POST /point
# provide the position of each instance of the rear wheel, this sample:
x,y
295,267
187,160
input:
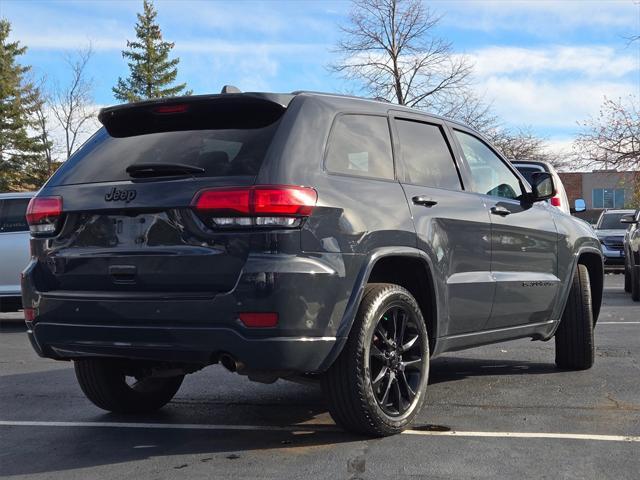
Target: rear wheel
x,y
123,387
377,384
575,348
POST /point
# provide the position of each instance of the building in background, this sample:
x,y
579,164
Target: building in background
x,y
602,189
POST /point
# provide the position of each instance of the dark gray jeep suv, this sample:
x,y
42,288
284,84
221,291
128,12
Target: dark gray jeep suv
x,y
299,235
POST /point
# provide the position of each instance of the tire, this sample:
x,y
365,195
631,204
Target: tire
x,y
104,383
627,278
349,385
575,347
635,283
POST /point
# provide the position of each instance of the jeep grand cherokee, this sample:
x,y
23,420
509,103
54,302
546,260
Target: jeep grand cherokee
x,y
298,235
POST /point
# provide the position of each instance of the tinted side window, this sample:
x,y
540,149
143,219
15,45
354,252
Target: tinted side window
x,y
426,157
12,215
490,175
360,145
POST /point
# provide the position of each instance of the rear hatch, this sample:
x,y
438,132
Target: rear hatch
x,y
127,222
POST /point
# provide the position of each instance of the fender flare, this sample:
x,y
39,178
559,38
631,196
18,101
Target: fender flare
x,y
357,293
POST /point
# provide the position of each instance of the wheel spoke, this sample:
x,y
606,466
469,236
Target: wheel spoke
x,y
383,373
412,363
382,333
410,393
400,400
403,326
394,318
387,389
407,346
377,353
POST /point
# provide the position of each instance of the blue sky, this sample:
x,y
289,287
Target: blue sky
x,y
542,64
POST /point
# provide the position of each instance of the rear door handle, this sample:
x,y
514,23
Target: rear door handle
x,y
498,210
424,201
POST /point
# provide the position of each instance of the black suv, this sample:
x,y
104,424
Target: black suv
x,y
298,235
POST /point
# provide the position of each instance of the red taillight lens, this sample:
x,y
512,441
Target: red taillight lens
x,y
284,201
224,200
258,320
555,201
43,214
268,206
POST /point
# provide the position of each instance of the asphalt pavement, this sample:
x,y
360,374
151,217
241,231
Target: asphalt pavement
x,y
501,411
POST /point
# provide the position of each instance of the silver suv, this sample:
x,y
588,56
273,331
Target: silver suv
x,y
14,247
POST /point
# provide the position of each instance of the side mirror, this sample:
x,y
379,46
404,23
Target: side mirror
x,y
542,186
579,205
629,218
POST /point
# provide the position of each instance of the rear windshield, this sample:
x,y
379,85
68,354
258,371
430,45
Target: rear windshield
x,y
220,152
611,221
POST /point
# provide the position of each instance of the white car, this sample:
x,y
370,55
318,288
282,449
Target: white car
x,y
528,167
14,247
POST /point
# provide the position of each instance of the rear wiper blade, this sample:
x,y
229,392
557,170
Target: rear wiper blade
x,y
140,170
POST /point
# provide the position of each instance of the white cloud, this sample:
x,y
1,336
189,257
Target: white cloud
x,y
589,60
548,104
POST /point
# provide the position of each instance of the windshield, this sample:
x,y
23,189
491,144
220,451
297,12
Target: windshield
x,y
611,221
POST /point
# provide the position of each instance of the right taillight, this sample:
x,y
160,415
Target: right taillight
x,y
43,214
259,206
555,201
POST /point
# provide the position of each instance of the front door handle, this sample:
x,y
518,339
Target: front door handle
x,y
498,210
424,201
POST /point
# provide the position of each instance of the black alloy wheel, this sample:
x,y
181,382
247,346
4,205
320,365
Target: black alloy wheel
x,y
395,361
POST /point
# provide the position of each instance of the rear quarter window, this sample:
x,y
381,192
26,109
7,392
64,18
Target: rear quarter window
x,y
360,145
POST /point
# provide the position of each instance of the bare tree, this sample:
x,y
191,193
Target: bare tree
x,y
389,48
612,139
72,104
520,144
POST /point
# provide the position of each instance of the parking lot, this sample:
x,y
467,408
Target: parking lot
x,y
500,411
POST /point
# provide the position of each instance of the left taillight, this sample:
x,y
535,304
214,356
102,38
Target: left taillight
x,y
555,201
43,214
257,206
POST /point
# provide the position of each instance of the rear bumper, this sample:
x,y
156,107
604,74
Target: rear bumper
x,y
309,294
200,346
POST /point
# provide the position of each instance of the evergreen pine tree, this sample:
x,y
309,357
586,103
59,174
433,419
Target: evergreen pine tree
x,y
22,159
151,70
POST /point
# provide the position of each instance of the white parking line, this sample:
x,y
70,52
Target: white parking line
x,y
617,323
566,436
317,428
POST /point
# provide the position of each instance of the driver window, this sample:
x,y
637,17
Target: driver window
x,y
490,175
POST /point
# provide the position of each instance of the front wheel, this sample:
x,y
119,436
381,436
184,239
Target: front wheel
x,y
627,278
377,385
575,348
635,283
124,387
